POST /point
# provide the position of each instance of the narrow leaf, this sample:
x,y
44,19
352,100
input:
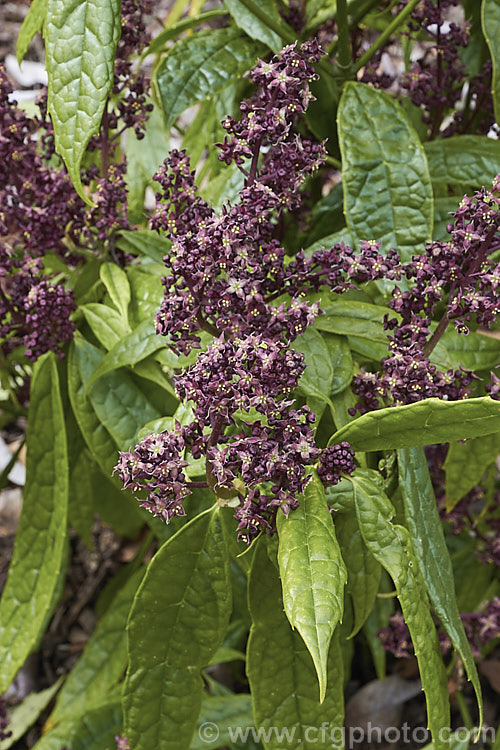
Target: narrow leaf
x,y
173,632
202,65
391,546
31,25
40,541
424,423
363,570
281,673
313,575
254,26
117,285
428,541
95,730
80,40
466,464
384,167
23,716
491,29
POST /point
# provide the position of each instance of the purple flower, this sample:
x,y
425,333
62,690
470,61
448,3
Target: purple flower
x,y
334,462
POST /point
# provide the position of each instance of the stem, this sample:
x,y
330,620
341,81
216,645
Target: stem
x,y
436,335
104,143
464,711
386,35
344,57
333,161
356,18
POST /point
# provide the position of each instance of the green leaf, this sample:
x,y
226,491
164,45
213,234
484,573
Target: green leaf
x,y
117,285
81,499
173,632
119,405
172,32
102,662
106,323
424,423
383,167
112,503
464,160
317,378
31,25
476,351
341,359
144,156
132,348
466,464
392,547
226,714
80,41
426,533
95,730
201,65
41,536
254,26
363,570
144,242
23,716
281,673
313,575
490,16
356,320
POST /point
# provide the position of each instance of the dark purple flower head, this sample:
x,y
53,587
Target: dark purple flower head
x,y
34,312
460,270
157,465
334,462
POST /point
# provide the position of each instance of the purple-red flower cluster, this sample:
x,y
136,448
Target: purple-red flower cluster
x,y
480,628
228,276
34,312
245,427
462,270
334,462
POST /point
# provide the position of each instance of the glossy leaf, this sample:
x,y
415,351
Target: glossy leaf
x,y
317,378
32,24
173,632
39,549
341,360
117,285
491,29
144,242
363,570
106,323
228,713
391,546
129,350
466,464
353,318
281,673
383,167
470,160
80,40
424,423
172,32
144,156
428,542
202,65
95,730
102,662
476,351
253,25
313,575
